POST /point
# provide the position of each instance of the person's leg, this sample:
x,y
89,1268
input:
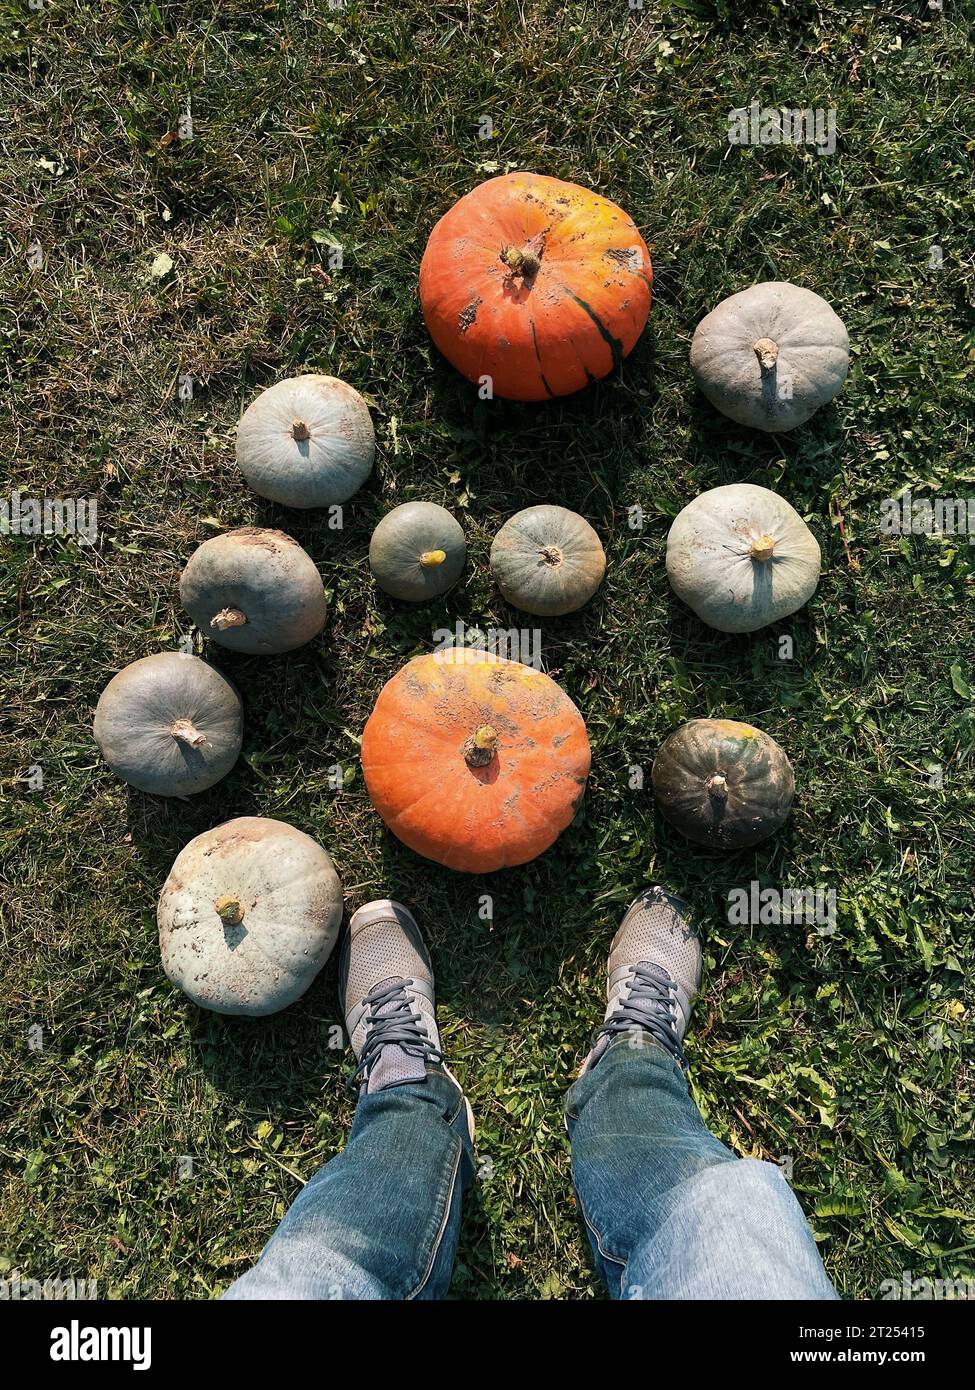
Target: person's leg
x,y
670,1212
381,1220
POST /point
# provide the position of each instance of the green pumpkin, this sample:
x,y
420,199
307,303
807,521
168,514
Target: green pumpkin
x,y
254,590
417,551
547,561
723,784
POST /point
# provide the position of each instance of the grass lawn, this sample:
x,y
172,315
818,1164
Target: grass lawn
x,y
842,1053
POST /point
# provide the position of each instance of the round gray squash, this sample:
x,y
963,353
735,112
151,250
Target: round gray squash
x,y
741,557
547,561
417,551
722,783
169,724
770,356
248,916
306,442
254,590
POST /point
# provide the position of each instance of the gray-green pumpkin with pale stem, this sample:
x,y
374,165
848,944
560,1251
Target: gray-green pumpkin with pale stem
x,y
254,590
771,355
169,724
417,551
741,557
248,916
722,783
306,442
548,561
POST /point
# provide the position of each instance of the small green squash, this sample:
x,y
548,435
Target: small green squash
x,y
248,916
723,784
169,724
306,442
417,551
547,561
771,355
254,590
742,558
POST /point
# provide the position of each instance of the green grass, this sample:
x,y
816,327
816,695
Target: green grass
x,y
361,126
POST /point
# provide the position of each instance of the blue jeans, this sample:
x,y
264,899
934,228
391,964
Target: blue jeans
x,y
670,1212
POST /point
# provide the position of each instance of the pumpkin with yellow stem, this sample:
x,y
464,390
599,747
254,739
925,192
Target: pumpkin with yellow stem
x,y
248,916
417,551
473,761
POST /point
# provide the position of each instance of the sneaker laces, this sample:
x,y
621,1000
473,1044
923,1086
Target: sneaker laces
x,y
650,1007
393,1021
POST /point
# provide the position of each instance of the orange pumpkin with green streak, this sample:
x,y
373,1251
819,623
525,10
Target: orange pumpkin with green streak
x,y
540,285
473,761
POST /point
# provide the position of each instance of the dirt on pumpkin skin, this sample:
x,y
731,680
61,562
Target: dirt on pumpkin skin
x,y
263,538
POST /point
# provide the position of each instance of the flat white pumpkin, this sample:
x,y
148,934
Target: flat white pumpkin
x,y
771,355
306,442
248,916
742,558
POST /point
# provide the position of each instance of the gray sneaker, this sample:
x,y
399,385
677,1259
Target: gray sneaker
x,y
654,971
386,988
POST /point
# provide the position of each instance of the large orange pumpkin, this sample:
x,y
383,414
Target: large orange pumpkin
x,y
474,761
540,285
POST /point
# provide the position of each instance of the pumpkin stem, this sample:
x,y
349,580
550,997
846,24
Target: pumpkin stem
x,y
300,431
767,352
762,548
186,730
228,617
481,747
430,559
230,910
523,263
552,555
718,786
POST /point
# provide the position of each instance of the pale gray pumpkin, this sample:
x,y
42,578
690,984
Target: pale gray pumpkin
x,y
169,724
742,558
770,356
254,590
417,551
547,561
306,442
248,916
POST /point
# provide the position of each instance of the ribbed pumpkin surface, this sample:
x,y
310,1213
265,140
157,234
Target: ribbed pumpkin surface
x,y
426,777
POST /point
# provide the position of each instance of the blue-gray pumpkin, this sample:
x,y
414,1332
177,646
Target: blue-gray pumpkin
x,y
306,442
771,355
417,551
548,561
254,590
169,724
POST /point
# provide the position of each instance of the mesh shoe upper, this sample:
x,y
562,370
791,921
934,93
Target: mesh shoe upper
x,y
386,981
654,971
